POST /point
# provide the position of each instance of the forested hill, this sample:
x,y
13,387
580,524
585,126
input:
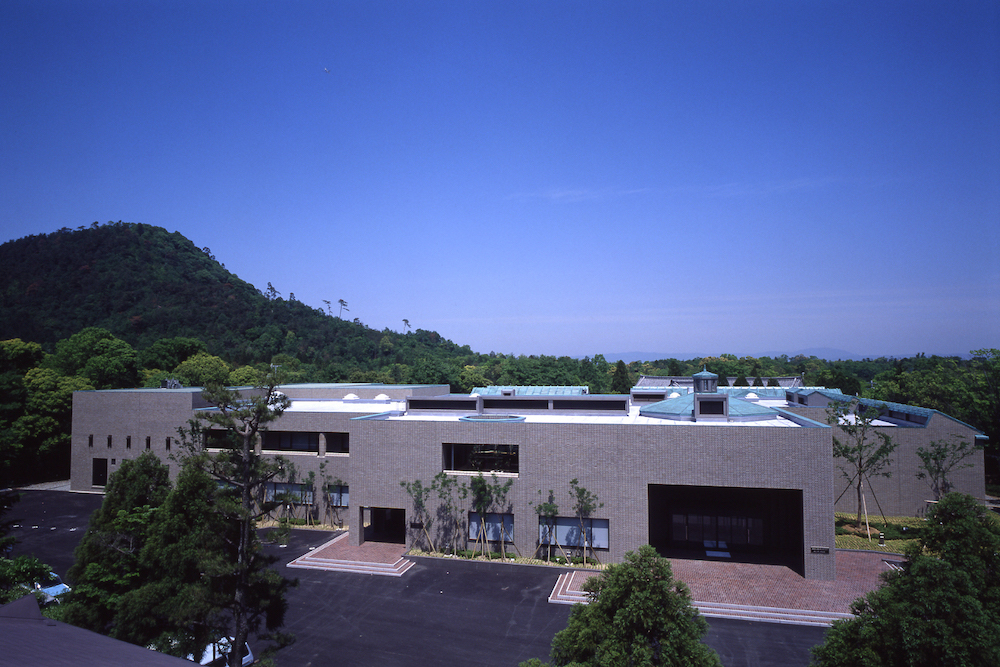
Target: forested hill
x,y
143,283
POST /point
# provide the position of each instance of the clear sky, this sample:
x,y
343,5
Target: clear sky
x,y
539,177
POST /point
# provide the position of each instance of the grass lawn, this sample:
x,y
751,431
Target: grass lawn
x,y
900,531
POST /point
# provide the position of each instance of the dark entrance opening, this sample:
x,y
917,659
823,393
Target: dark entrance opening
x,y
721,523
100,473
384,524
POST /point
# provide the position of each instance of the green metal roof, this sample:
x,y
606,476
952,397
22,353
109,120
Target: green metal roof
x,y
497,390
683,407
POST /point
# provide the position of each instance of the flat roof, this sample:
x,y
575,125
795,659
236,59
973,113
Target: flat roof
x,y
371,406
633,417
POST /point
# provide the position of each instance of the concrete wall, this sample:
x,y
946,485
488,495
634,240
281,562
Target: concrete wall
x,y
903,494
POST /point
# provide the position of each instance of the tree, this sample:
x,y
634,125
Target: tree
x,y
244,376
987,362
203,369
343,307
940,459
452,493
584,504
638,615
942,608
420,495
39,440
258,591
108,563
490,497
166,353
621,383
547,511
406,325
93,353
190,546
18,576
864,451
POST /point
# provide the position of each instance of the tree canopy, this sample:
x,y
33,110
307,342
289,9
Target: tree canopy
x,y
942,608
638,615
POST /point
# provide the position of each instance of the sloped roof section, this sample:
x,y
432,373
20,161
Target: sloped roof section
x,y
682,407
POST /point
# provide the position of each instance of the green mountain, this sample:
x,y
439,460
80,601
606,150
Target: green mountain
x,y
143,283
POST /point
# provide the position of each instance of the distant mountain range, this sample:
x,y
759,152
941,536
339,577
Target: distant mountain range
x,y
827,353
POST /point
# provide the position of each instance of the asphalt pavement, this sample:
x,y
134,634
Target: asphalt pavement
x,y
441,612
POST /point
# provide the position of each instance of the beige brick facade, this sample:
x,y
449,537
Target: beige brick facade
x,y
641,469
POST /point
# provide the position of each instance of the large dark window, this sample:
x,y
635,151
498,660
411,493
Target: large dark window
x,y
480,458
338,443
290,441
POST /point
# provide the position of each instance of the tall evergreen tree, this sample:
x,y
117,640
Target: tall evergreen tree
x,y
621,382
258,591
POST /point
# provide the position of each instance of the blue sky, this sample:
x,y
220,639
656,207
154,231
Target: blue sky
x,y
539,177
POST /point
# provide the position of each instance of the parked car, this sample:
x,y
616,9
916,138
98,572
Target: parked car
x,y
51,587
217,654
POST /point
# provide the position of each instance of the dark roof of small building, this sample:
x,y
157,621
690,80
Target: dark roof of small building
x,y
28,638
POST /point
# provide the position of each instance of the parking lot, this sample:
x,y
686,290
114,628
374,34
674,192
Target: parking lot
x,y
441,612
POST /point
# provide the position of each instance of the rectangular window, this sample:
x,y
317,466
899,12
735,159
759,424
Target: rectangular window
x,y
497,526
90,441
128,442
168,443
339,495
480,458
148,442
566,531
290,441
217,439
109,442
338,443
282,492
711,407
718,531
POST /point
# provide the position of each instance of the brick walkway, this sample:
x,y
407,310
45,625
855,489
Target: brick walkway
x,y
338,555
774,586
370,552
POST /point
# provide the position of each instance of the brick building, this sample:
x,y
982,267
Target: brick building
x,y
698,471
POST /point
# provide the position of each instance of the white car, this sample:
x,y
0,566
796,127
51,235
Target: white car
x,y
217,654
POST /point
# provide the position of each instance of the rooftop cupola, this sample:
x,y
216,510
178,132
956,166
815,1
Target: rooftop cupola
x,y
708,402
705,382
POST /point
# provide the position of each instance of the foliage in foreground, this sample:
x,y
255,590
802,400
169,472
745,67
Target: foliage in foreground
x,y
638,615
943,608
158,565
